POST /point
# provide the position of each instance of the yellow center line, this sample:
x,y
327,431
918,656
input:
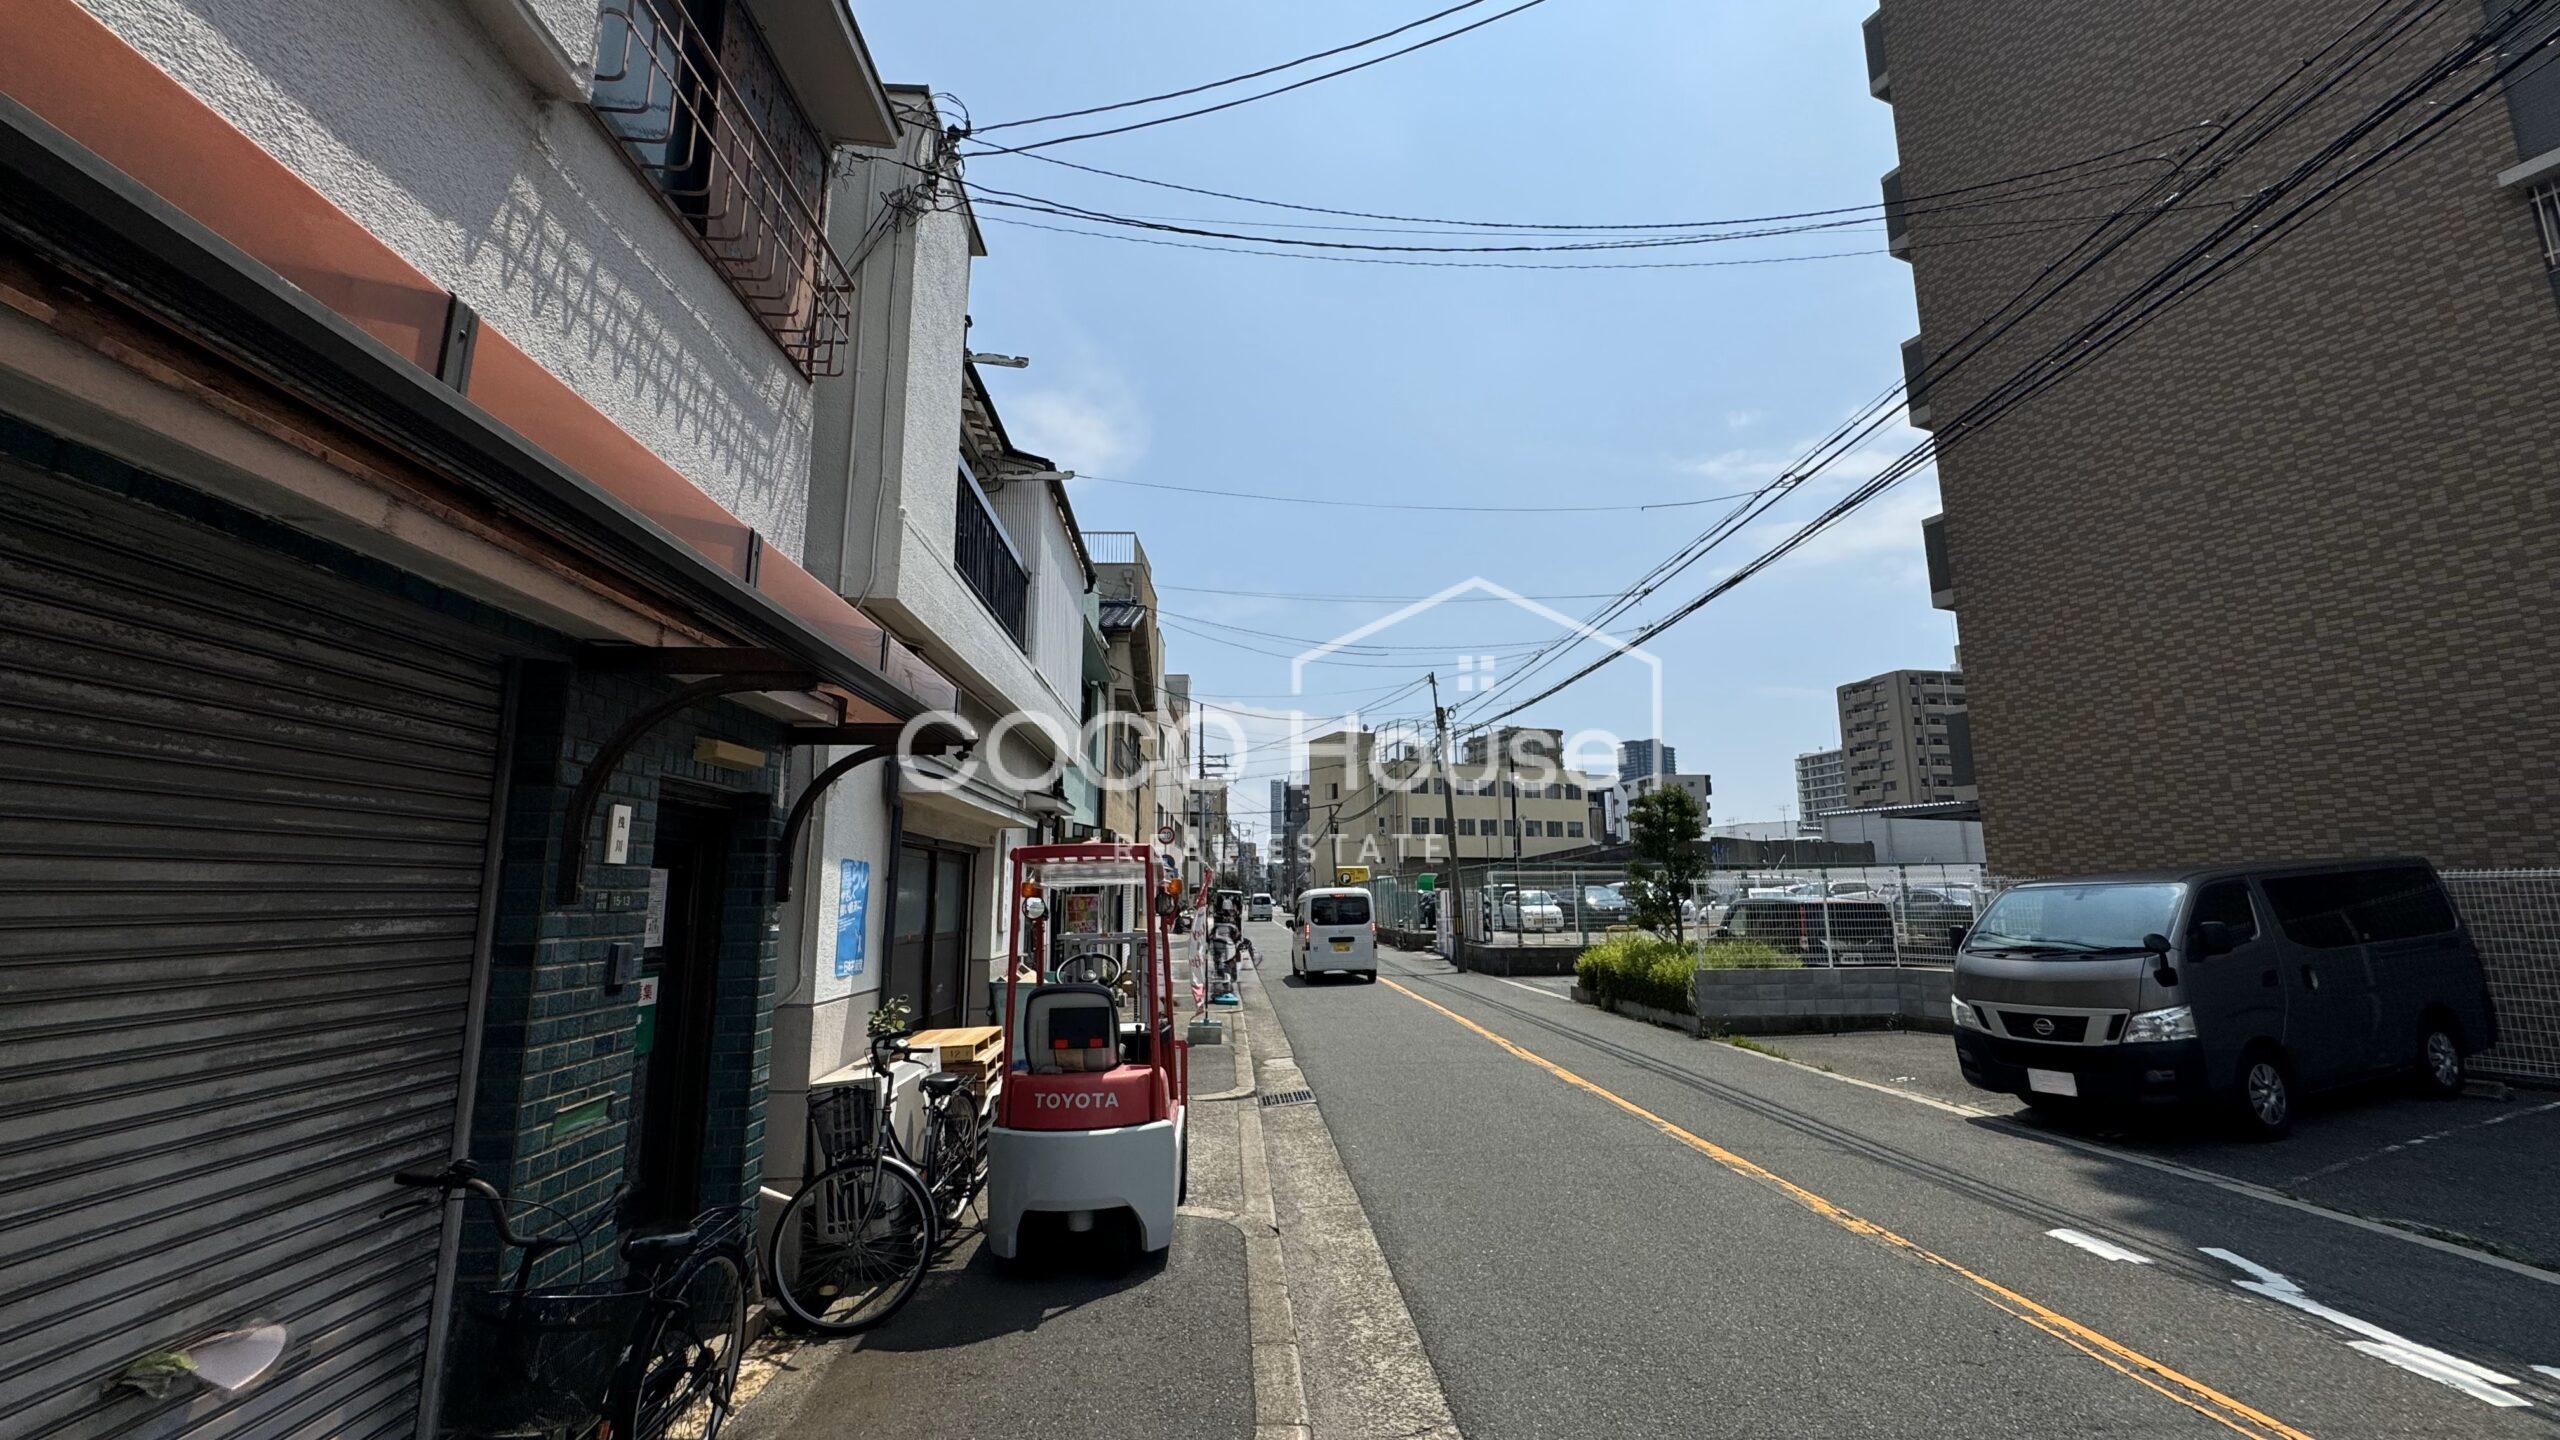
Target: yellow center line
x,y
2116,1356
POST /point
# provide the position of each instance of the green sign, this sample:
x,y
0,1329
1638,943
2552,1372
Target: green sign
x,y
1425,884
644,1029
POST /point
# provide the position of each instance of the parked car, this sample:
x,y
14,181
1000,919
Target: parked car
x,y
1927,913
1258,907
1335,930
2238,986
1509,908
1604,906
1817,929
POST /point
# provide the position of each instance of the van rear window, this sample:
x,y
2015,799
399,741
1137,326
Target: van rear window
x,y
2351,907
1338,910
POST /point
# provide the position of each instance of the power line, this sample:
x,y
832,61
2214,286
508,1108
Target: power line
x,y
2112,325
1399,505
2097,161
1235,79
1428,264
1997,322
1282,89
1378,599
1365,647
1953,357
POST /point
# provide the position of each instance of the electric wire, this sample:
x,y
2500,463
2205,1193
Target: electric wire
x,y
2149,299
1310,59
1316,79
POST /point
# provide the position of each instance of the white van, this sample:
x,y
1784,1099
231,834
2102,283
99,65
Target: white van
x,y
1258,907
1335,929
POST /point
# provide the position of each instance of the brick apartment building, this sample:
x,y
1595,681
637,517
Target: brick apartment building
x,y
2271,576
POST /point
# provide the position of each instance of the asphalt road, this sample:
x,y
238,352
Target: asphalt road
x,y
1603,1228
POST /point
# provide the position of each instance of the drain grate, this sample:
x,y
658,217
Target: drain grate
x,y
1289,1097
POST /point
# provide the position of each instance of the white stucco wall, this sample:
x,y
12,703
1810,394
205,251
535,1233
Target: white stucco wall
x,y
884,503
1056,620
819,1017
407,116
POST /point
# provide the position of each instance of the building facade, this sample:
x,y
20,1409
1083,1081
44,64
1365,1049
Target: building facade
x,y
403,486
1391,809
1822,786
1616,799
2265,577
1640,758
1905,739
925,514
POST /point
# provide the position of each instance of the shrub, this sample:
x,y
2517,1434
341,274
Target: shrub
x,y
1645,969
1744,955
1649,970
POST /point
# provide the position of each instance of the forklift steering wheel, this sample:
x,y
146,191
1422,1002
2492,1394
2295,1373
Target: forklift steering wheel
x,y
1093,967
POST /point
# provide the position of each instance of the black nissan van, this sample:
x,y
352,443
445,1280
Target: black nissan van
x,y
2239,985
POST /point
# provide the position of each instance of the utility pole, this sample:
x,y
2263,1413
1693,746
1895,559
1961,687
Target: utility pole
x,y
1449,805
1513,766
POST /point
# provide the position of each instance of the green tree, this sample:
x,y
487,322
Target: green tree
x,y
1663,824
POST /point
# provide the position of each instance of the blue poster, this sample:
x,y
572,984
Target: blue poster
x,y
853,911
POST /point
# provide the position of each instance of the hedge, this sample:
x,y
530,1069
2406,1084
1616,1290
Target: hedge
x,y
1649,970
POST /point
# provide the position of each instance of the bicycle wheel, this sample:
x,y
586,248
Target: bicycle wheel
x,y
959,1164
852,1245
681,1379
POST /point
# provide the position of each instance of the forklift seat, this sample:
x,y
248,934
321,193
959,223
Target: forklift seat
x,y
1071,1029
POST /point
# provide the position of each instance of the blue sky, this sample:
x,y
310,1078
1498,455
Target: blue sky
x,y
1461,386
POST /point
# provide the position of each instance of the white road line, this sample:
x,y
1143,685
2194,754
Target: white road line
x,y
2103,1249
1532,989
2551,1370
2185,1172
2354,1160
2477,1381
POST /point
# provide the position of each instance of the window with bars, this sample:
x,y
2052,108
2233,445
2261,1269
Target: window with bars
x,y
692,95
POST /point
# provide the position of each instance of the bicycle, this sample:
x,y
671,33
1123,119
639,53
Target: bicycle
x,y
853,1244
605,1359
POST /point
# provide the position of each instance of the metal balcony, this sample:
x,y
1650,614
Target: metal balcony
x,y
711,126
984,556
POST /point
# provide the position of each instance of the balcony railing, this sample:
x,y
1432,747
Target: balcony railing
x,y
986,560
710,125
1114,547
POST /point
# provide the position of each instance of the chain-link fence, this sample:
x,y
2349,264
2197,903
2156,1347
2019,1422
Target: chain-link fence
x,y
2514,917
1824,915
1907,914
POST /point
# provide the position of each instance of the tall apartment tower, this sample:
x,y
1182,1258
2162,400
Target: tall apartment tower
x,y
1641,759
1905,739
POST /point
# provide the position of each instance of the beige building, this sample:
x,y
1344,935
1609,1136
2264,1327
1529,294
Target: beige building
x,y
1392,810
1905,739
1126,586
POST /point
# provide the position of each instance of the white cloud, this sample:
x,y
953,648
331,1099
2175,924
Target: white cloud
x,y
1741,419
1094,426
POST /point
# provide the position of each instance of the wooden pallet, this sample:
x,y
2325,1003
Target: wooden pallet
x,y
970,1050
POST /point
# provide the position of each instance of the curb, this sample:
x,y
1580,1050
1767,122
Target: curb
x,y
1279,1380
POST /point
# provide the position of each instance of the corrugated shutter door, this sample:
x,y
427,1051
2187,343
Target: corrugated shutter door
x,y
243,809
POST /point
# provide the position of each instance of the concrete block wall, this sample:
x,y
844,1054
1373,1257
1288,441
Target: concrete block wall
x,y
1777,1002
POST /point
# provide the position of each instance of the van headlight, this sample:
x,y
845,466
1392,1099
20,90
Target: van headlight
x,y
2178,1022
1966,1017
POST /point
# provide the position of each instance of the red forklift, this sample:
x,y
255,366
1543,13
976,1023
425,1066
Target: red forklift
x,y
1093,1114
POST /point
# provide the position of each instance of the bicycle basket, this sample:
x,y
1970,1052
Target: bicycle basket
x,y
536,1363
841,1121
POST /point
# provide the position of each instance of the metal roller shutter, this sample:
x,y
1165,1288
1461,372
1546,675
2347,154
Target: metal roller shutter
x,y
244,806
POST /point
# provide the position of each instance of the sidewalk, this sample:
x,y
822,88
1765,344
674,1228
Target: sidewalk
x,y
1076,1341
2479,1171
